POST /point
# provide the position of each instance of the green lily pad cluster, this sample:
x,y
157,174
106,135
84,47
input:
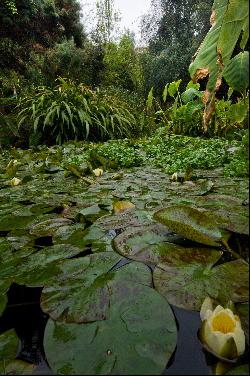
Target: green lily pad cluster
x,y
108,277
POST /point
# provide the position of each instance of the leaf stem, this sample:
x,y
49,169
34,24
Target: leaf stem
x,y
235,254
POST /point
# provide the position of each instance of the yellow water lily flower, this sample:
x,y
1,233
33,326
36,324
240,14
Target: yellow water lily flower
x,y
221,331
15,181
98,172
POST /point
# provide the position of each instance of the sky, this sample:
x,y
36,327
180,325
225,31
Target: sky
x,y
130,12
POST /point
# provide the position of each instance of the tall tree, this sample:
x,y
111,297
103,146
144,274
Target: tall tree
x,y
28,25
173,30
107,19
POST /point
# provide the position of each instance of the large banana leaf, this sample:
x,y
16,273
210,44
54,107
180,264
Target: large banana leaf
x,y
229,21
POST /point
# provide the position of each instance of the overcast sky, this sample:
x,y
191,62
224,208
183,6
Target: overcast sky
x,y
130,12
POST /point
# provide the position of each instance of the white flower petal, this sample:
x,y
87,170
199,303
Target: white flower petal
x,y
207,305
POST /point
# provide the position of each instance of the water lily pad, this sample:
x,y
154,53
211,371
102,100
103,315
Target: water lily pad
x,y
90,213
188,284
10,222
154,244
190,223
18,367
92,237
49,227
240,370
123,220
243,312
8,349
138,337
4,286
43,208
86,296
42,265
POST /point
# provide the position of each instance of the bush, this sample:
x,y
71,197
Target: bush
x,y
72,111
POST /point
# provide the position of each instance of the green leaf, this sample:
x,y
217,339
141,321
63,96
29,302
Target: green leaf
x,y
153,244
18,367
236,73
150,98
186,284
8,346
86,296
173,88
137,338
11,222
243,311
191,94
165,93
190,223
239,370
41,266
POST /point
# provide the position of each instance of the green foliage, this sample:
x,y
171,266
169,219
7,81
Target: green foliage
x,y
173,30
74,112
79,64
122,152
229,117
175,153
184,116
107,18
214,57
122,65
50,21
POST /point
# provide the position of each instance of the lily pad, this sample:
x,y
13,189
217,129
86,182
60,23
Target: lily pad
x,y
8,349
243,311
240,370
49,227
138,337
42,265
190,223
80,293
18,367
10,222
3,295
153,244
123,220
93,236
186,285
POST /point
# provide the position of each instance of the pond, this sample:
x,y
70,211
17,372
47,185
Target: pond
x,y
94,285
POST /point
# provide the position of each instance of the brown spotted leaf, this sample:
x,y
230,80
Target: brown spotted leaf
x,y
187,285
190,223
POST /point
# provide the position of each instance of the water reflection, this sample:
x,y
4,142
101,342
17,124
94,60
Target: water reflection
x,y
189,358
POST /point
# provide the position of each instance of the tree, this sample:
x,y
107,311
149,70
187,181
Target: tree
x,y
35,25
122,66
107,19
180,27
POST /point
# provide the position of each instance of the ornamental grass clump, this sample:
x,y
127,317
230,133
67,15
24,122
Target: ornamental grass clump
x,y
70,111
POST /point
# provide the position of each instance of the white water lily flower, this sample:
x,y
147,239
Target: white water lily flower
x,y
15,181
174,177
12,163
98,172
221,331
